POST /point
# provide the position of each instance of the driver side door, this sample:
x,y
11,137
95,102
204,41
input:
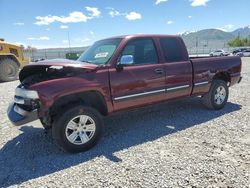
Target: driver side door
x,y
143,81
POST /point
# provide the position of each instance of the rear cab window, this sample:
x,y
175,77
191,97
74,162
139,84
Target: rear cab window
x,y
172,49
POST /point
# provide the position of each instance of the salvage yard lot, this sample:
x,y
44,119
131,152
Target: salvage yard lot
x,y
168,145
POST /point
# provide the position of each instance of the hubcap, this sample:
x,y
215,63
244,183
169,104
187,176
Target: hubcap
x,y
220,95
80,129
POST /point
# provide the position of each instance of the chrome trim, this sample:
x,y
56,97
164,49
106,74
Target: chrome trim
x,y
201,83
140,94
151,92
30,94
178,87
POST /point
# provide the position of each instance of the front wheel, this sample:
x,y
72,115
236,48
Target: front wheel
x,y
217,96
78,129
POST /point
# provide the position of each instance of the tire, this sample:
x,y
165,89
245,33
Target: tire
x,y
213,99
69,133
8,70
45,126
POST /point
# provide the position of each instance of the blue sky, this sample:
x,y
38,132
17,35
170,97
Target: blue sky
x,y
47,23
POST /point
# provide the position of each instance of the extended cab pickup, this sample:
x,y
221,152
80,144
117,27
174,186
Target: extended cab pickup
x,y
116,74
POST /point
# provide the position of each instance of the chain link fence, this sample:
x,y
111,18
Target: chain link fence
x,y
37,54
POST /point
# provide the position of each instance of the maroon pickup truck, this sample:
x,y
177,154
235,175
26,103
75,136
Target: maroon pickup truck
x,y
116,74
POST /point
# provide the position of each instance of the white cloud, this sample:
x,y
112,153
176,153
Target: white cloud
x,y
196,3
190,17
94,12
65,41
170,22
44,38
114,13
31,38
64,27
39,38
160,1
47,29
133,16
91,33
130,16
73,17
19,23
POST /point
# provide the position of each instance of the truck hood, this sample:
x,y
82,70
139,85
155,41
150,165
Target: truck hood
x,y
64,62
55,68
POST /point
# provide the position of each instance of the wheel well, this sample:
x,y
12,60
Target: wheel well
x,y
225,76
10,57
90,98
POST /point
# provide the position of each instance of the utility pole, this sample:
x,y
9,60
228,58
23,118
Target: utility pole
x,y
196,45
69,42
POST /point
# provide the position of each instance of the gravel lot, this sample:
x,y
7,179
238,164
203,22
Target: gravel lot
x,y
179,144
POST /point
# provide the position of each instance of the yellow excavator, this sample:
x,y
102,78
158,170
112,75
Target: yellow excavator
x,y
11,60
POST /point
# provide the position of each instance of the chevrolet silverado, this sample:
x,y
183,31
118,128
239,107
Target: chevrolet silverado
x,y
116,74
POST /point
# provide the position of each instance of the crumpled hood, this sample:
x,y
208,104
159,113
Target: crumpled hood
x,y
64,62
41,67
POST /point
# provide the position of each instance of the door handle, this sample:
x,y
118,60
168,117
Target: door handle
x,y
159,71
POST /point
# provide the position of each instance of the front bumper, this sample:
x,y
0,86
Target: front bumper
x,y
19,116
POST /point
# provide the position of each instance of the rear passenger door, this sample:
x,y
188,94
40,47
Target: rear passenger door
x,y
141,82
177,66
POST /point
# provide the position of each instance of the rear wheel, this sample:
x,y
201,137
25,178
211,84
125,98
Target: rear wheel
x,y
217,96
8,70
78,129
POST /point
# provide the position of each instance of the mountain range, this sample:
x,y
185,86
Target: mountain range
x,y
213,38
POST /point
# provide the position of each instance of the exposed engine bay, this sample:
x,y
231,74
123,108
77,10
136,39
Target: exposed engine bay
x,y
35,74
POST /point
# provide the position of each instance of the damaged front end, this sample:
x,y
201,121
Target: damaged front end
x,y
27,103
25,106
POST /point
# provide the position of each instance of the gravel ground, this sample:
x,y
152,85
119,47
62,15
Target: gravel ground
x,y
179,144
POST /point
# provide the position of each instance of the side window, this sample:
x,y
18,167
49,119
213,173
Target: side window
x,y
143,51
14,51
172,49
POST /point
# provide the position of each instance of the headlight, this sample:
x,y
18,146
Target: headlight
x,y
28,94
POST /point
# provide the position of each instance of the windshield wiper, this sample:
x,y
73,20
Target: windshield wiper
x,y
85,61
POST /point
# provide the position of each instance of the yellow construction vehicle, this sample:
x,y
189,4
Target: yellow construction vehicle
x,y
11,60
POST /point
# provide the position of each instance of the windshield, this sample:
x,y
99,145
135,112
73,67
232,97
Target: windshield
x,y
100,52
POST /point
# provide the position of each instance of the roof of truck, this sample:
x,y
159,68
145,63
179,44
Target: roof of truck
x,y
143,35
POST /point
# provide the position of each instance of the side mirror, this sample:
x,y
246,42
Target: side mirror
x,y
127,60
124,61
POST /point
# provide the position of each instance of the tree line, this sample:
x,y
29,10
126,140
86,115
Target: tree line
x,y
237,42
